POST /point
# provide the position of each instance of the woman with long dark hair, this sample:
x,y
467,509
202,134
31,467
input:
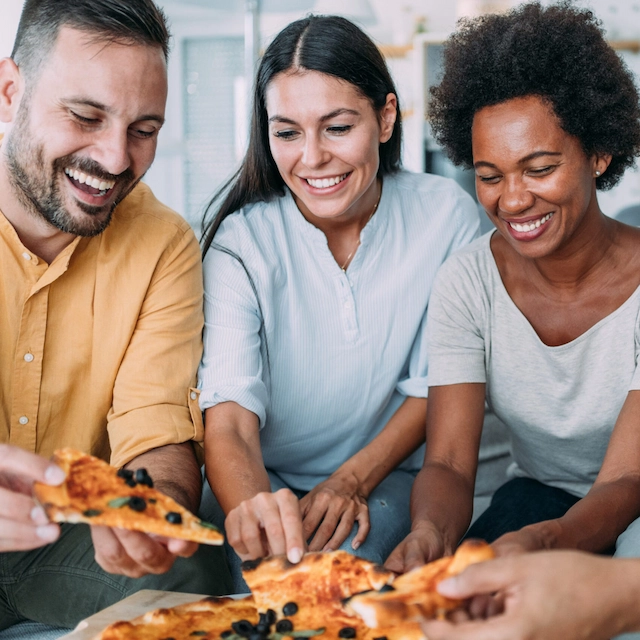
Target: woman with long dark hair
x,y
318,269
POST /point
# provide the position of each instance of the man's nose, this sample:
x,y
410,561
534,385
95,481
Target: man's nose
x,y
111,150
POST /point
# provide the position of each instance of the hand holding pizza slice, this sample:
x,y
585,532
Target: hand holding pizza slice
x,y
97,494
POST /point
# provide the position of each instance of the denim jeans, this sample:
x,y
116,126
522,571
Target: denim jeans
x,y
388,512
517,503
61,584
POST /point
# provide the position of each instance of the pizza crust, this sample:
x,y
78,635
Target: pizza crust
x,y
414,595
94,493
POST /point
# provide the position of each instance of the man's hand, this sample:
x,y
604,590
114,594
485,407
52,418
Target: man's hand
x,y
424,544
330,510
23,524
267,524
135,554
551,595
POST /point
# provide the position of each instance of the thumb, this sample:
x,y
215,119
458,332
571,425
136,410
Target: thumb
x,y
29,465
482,578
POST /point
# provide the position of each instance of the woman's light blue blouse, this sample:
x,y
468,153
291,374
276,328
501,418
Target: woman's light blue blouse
x,y
324,358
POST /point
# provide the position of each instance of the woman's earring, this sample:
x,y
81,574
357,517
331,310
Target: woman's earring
x,y
598,174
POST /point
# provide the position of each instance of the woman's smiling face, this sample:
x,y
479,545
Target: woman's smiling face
x,y
324,136
533,178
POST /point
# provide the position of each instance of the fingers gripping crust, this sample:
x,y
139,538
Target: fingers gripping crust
x,y
96,493
414,595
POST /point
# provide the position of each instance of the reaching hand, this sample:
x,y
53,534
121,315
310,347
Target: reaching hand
x,y
267,524
23,524
550,595
330,510
422,545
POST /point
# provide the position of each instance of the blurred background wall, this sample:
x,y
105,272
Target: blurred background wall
x,y
217,44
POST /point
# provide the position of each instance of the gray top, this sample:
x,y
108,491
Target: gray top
x,y
560,403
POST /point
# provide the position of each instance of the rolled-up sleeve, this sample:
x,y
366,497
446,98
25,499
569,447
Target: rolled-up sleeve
x,y
232,365
154,395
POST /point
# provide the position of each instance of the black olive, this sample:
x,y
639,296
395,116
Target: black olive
x,y
283,626
125,473
90,513
263,628
130,482
271,616
243,628
290,609
173,518
387,587
256,636
249,565
381,638
347,632
226,634
137,504
198,633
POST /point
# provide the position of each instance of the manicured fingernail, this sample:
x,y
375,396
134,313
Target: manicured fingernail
x,y
327,549
355,545
38,515
54,475
295,555
48,532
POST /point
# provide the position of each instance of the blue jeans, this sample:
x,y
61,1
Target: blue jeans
x,y
518,503
388,513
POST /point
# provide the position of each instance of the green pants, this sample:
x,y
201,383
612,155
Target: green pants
x,y
61,584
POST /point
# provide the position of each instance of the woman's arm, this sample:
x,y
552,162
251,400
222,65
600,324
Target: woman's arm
x,y
258,522
594,523
331,508
442,495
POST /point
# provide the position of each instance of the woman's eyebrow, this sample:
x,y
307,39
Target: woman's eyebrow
x,y
531,156
328,116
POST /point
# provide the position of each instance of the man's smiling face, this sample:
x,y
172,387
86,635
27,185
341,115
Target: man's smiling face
x,y
86,130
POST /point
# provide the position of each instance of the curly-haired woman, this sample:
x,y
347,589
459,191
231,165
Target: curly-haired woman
x,y
540,317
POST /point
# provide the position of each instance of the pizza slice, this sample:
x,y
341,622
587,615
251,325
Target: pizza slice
x,y
413,596
96,493
208,618
308,595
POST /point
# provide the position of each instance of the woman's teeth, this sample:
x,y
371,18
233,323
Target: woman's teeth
x,y
324,183
530,226
96,183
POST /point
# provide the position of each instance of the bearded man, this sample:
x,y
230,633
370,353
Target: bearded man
x,y
101,307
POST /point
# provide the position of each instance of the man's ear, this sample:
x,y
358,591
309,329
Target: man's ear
x,y
387,117
11,89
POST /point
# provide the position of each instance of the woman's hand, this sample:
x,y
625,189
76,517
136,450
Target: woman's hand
x,y
564,595
330,510
267,524
422,545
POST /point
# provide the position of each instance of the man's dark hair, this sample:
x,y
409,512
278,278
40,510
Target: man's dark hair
x,y
557,53
124,21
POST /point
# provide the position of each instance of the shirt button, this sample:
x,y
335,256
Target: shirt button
x,y
28,357
23,420
26,256
194,395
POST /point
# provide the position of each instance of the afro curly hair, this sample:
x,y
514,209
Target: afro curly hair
x,y
558,53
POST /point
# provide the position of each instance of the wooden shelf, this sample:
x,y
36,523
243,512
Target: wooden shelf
x,y
395,50
626,45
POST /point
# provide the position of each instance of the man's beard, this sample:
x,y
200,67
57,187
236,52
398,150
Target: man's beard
x,y
39,191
